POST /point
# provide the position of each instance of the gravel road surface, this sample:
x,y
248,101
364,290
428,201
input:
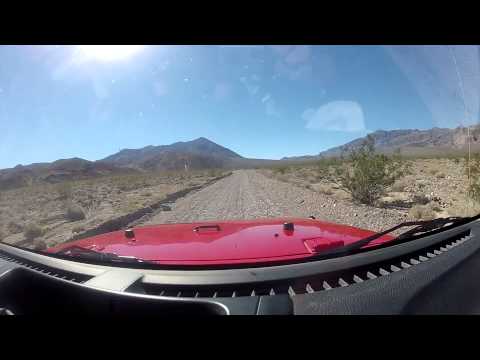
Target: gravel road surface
x,y
247,194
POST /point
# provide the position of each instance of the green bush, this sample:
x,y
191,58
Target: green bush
x,y
366,174
32,231
325,168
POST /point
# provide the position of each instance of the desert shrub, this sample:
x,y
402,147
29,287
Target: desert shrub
x,y
367,174
408,167
281,170
399,185
131,182
64,190
131,206
32,231
456,160
78,229
440,176
466,208
39,245
74,213
474,181
421,212
325,168
433,171
88,204
420,199
322,166
213,173
323,189
14,228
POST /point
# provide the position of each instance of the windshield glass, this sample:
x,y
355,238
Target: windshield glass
x,y
223,145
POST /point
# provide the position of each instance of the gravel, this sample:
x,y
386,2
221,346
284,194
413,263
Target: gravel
x,y
248,194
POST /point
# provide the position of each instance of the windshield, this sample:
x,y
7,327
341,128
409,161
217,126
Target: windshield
x,y
218,154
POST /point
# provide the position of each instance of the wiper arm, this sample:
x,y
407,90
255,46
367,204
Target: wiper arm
x,y
77,251
420,227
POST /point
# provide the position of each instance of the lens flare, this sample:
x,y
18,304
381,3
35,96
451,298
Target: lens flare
x,y
107,53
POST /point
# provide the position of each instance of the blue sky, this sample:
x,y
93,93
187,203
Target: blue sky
x,y
260,101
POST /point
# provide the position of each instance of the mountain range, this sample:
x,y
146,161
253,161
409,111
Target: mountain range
x,y
411,142
197,154
202,153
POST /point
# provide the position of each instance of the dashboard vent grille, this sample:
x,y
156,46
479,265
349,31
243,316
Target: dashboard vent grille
x,y
61,274
324,282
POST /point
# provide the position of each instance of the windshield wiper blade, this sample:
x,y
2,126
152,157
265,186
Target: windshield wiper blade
x,y
420,228
77,251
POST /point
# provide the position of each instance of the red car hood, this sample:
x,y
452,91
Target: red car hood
x,y
225,242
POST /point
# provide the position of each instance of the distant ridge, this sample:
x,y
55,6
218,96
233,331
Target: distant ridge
x,y
203,153
60,170
410,141
197,154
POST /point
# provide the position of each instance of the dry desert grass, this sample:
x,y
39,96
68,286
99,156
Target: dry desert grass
x,y
49,214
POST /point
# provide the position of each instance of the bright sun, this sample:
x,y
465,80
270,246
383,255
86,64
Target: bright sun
x,y
109,52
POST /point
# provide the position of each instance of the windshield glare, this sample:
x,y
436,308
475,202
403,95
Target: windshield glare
x,y
223,144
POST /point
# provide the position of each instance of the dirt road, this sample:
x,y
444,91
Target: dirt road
x,y
247,194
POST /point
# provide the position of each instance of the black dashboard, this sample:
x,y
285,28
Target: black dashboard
x,y
435,274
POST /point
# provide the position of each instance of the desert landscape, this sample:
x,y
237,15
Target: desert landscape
x,y
42,205
40,216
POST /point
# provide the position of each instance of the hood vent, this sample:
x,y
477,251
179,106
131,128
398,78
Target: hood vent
x,y
323,282
61,274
